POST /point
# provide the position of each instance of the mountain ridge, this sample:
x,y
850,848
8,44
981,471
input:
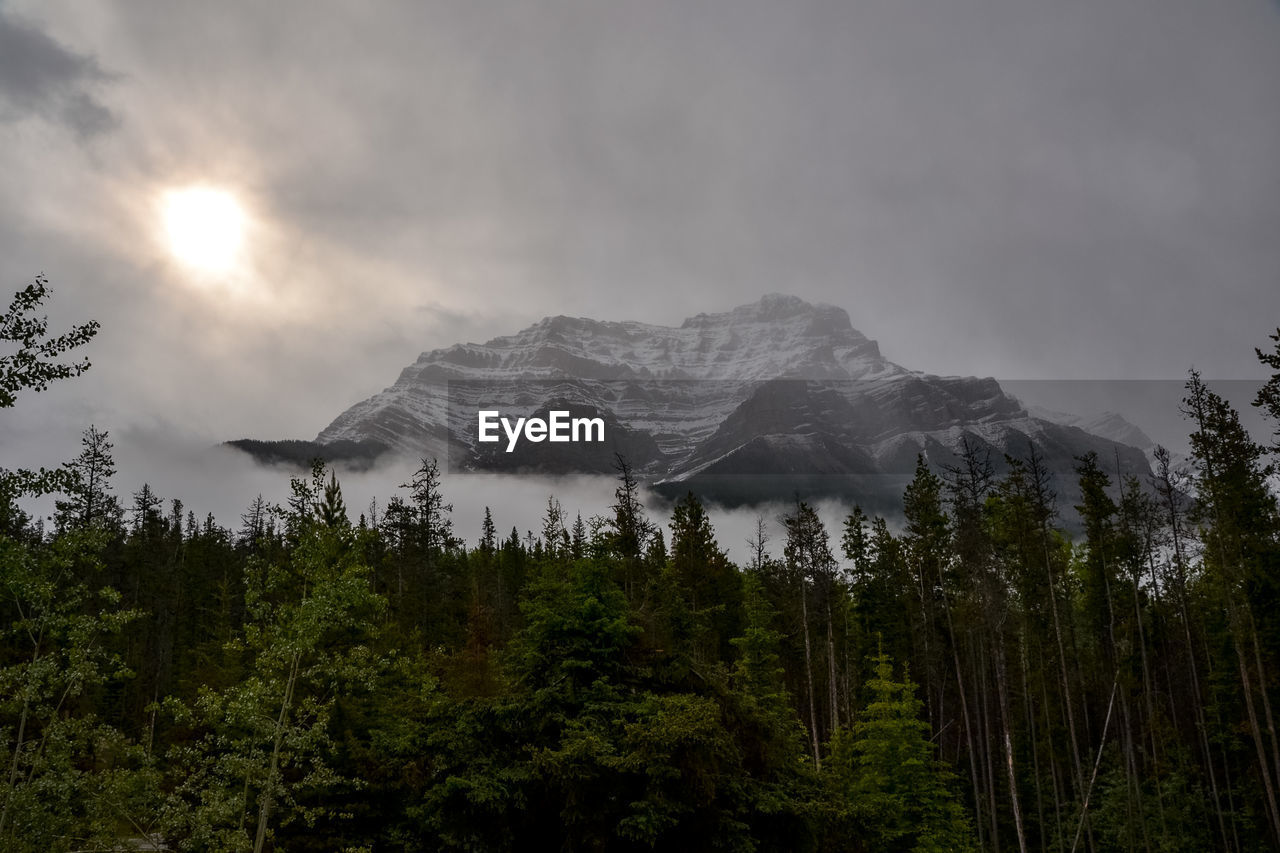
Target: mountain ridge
x,y
745,404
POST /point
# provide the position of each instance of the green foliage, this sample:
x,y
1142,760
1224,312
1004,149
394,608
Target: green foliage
x,y
65,778
330,509
582,757
1268,397
897,795
311,685
1170,815
1098,512
257,757
628,532
758,671
1236,507
706,578
33,365
577,630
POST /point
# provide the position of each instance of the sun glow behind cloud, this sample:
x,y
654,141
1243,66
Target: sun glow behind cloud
x,y
204,227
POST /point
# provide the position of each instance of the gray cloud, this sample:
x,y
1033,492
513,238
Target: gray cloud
x,y
38,76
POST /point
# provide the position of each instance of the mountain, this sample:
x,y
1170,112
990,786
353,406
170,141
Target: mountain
x,y
756,403
677,384
1110,425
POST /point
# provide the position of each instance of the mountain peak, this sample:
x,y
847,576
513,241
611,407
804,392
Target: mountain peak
x,y
775,308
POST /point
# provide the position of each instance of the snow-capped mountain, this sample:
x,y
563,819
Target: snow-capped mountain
x,y
1110,425
769,398
677,384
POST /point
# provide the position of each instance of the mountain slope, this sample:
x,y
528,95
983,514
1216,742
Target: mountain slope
x,y
742,405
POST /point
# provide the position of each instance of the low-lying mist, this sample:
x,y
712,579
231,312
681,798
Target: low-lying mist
x,y
223,481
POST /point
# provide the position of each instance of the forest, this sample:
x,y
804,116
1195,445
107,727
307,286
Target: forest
x,y
970,676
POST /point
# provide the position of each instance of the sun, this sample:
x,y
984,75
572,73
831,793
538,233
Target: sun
x,y
205,227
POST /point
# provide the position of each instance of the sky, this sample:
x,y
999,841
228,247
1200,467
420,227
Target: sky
x,y
1029,189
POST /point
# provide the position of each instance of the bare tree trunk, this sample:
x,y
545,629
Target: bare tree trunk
x,y
1203,726
831,670
925,622
1264,766
848,689
268,792
1262,688
13,767
964,712
808,674
1133,788
1003,694
1169,494
1137,812
1066,679
1147,691
1084,808
1231,798
37,638
988,762
1031,733
1053,766
1042,497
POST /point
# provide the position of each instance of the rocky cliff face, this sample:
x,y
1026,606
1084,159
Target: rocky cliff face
x,y
754,403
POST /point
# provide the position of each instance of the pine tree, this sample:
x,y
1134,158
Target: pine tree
x,y
809,562
926,543
146,516
432,526
554,535
703,570
1238,528
1098,511
488,533
630,529
88,482
578,543
330,510
1268,397
897,796
253,524
857,547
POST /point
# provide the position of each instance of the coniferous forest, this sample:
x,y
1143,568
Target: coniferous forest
x,y
309,677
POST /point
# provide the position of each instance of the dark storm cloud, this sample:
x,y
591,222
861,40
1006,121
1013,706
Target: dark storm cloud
x,y
38,76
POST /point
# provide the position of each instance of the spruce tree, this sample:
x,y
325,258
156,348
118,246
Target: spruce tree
x,y
1268,397
87,485
330,509
896,795
703,570
810,563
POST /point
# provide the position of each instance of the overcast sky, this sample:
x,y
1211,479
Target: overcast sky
x,y
1018,188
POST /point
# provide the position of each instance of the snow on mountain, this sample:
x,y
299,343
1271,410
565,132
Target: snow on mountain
x,y
1110,425
741,405
699,371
